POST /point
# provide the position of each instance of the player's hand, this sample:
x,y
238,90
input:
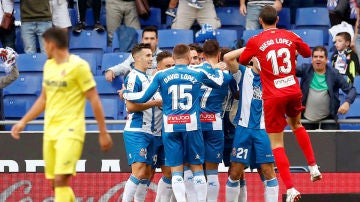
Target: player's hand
x,y
121,91
344,108
105,141
16,129
221,65
243,9
109,75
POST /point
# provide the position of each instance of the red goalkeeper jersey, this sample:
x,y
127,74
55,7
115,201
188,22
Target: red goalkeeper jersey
x,y
276,52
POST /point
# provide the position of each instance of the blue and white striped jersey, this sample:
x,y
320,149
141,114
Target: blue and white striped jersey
x,y
137,81
250,112
211,103
179,88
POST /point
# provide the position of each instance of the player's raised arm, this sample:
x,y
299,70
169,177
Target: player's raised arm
x,y
249,52
212,80
231,59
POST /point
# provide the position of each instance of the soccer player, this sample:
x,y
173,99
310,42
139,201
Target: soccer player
x,y
276,51
67,83
250,139
139,128
179,87
211,121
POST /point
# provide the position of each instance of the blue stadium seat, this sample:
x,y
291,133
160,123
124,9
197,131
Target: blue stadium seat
x,y
108,88
89,17
226,37
312,37
111,59
301,60
284,19
353,113
231,18
115,41
31,64
19,45
357,84
15,109
91,59
29,85
89,41
249,33
313,18
168,38
154,18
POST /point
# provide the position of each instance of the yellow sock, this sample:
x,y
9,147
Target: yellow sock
x,y
64,194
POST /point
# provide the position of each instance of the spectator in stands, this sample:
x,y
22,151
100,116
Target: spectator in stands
x,y
342,10
172,5
149,35
7,37
8,58
35,19
82,6
345,59
320,86
356,39
60,14
186,15
118,11
252,9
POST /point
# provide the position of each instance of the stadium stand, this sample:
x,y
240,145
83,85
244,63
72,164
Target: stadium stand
x,y
111,59
154,19
313,18
73,16
353,113
312,37
231,18
284,18
31,64
91,59
169,38
226,37
249,33
89,41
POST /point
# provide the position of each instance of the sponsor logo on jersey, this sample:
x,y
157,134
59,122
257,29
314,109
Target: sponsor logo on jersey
x,y
179,119
284,82
207,117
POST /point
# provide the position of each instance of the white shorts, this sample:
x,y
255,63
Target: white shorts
x,y
60,13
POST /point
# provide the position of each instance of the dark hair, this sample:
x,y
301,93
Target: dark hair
x,y
223,51
58,36
164,54
138,47
211,48
345,35
180,51
197,47
150,29
320,48
268,15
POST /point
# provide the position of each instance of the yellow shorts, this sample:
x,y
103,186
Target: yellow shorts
x,y
60,156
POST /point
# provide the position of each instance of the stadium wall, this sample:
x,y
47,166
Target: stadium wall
x,y
102,176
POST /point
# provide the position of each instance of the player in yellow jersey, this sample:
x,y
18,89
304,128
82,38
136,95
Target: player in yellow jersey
x,y
67,83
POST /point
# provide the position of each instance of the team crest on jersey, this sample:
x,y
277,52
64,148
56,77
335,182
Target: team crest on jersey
x,y
233,153
143,152
130,86
257,93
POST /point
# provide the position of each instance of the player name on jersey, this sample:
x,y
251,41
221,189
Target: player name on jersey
x,y
181,76
270,42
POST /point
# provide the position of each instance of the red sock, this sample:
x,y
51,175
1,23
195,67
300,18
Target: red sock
x,y
304,142
283,166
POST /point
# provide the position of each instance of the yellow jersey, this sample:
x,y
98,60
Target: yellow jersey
x,y
65,86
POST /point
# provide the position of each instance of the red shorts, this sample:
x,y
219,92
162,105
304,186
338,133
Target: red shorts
x,y
277,109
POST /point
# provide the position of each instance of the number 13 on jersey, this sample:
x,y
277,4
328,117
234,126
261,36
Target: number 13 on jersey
x,y
284,54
